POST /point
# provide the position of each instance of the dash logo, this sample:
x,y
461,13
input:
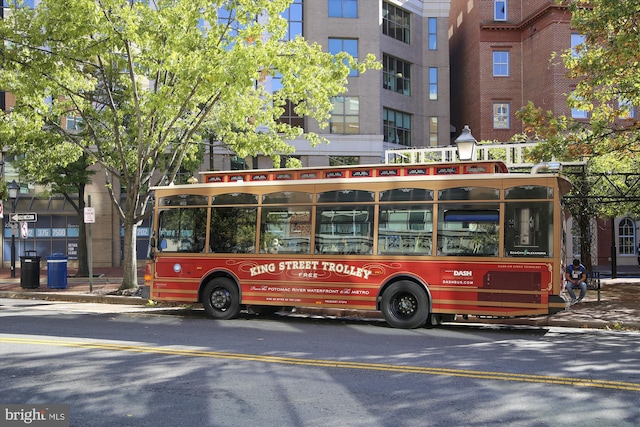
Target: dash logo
x,y
462,273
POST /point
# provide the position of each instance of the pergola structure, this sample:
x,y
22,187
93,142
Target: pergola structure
x,y
597,188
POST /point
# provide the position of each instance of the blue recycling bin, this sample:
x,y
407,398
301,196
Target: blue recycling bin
x,y
57,271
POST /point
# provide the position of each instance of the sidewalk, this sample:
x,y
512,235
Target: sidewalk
x,y
618,308
103,288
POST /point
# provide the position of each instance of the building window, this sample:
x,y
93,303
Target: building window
x,y
349,46
396,127
433,83
343,8
13,3
433,33
293,15
396,75
627,110
73,123
626,237
286,158
576,112
433,131
501,116
345,116
343,160
396,23
501,63
576,41
290,116
500,10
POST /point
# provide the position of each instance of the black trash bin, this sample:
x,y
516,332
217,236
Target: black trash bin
x,y
30,270
57,271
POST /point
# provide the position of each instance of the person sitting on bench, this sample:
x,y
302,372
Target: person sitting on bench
x,y
576,276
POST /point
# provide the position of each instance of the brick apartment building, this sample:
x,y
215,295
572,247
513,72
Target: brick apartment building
x,y
501,59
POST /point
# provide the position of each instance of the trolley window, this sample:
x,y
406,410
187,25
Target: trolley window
x,y
233,230
529,230
529,192
346,196
406,195
469,193
182,230
183,200
285,230
405,230
235,199
344,230
469,229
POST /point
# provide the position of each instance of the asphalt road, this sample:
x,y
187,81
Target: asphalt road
x,y
120,366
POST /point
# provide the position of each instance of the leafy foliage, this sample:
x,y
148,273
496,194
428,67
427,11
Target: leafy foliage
x,y
604,67
148,79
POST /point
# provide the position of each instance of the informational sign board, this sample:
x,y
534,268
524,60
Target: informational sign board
x,y
89,215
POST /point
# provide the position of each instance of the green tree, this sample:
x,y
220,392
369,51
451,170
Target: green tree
x,y
65,177
604,68
148,79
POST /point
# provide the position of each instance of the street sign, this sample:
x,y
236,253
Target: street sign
x,y
89,215
24,217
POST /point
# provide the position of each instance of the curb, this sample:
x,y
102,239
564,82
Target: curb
x,y
79,298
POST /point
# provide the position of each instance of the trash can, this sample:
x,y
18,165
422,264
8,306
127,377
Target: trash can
x,y
30,270
57,271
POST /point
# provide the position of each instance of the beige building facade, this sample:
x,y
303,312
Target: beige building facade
x,y
406,104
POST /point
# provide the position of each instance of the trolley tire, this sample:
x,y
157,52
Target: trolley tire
x,y
221,299
405,305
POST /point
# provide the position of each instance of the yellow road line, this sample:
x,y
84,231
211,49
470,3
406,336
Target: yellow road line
x,y
502,376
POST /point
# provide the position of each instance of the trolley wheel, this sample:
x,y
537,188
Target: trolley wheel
x,y
221,299
405,305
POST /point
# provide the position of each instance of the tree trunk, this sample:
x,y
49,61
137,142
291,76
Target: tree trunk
x,y
83,258
130,262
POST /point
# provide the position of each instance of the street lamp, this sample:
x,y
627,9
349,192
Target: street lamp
x,y
13,195
466,144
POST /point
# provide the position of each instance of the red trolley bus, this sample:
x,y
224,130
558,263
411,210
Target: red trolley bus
x,y
420,243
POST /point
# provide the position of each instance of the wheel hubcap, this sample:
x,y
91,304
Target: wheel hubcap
x,y
220,299
406,305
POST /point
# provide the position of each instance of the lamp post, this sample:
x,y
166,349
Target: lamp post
x,y
13,195
466,144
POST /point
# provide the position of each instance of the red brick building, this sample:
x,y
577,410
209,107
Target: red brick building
x,y
501,58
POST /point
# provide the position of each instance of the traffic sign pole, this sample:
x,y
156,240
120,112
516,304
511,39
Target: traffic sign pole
x,y
89,214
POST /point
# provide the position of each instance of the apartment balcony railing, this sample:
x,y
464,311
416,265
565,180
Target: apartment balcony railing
x,y
513,155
